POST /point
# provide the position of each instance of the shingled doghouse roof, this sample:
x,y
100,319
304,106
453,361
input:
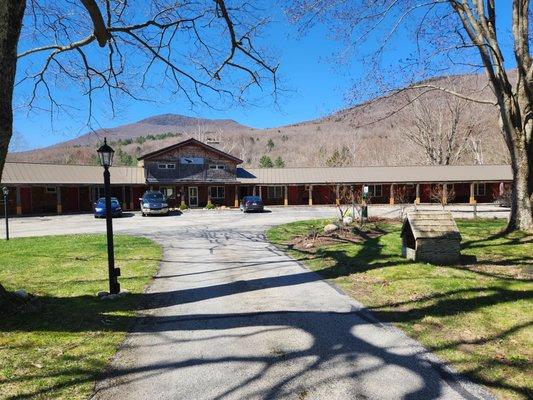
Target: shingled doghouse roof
x,y
433,225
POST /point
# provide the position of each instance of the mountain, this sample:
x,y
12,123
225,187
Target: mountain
x,y
155,125
372,133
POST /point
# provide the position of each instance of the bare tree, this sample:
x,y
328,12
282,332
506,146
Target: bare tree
x,y
450,35
401,197
442,194
476,148
201,50
354,145
438,129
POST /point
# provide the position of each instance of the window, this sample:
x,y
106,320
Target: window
x,y
479,189
217,166
275,192
217,192
51,189
374,191
166,166
168,192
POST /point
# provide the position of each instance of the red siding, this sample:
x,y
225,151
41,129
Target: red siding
x,y
69,199
25,200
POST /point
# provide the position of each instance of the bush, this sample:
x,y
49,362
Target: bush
x,y
184,206
210,206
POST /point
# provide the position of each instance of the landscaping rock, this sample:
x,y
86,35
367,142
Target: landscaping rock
x,y
308,245
107,296
347,220
21,293
329,228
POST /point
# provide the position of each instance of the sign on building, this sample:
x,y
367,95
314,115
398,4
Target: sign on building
x,y
192,160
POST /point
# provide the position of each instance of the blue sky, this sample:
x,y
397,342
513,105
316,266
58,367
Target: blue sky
x,y
315,85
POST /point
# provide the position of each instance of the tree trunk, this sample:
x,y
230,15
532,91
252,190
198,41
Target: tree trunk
x,y
11,14
522,197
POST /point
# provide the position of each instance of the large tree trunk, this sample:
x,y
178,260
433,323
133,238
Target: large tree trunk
x,y
522,196
11,13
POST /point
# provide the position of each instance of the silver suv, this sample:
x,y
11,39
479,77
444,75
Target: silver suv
x,y
154,203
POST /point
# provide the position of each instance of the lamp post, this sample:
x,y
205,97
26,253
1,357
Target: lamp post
x,y
105,154
5,191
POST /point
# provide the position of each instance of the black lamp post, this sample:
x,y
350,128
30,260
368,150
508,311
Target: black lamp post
x,y
105,154
5,191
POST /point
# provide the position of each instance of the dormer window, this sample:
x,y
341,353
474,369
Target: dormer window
x,y
166,166
217,166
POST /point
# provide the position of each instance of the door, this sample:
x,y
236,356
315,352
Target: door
x,y
193,196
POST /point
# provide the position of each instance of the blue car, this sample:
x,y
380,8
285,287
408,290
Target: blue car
x,y
99,208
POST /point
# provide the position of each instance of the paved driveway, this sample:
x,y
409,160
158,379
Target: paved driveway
x,y
231,317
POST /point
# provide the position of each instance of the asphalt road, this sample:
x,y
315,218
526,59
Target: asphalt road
x,y
132,222
229,316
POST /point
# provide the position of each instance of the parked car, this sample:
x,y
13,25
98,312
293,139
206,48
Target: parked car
x,y
154,203
100,209
252,203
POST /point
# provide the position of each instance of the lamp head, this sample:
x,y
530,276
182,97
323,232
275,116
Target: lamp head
x,y
105,154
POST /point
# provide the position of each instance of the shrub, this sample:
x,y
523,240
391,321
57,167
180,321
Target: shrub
x,y
210,206
184,206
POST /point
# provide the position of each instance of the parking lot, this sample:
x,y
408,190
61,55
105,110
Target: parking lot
x,y
133,223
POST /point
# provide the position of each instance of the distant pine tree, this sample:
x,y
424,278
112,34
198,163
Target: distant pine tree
x,y
279,163
270,144
266,162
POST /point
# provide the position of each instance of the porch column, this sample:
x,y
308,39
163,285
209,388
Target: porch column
x,y
124,205
58,196
260,192
236,202
286,196
472,194
183,196
337,195
417,199
391,195
19,204
444,193
132,204
310,195
208,195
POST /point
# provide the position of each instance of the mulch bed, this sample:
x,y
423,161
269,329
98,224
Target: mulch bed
x,y
346,234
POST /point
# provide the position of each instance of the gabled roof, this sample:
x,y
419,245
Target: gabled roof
x,y
427,224
189,142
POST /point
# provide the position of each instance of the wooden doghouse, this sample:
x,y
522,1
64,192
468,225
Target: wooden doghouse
x,y
431,237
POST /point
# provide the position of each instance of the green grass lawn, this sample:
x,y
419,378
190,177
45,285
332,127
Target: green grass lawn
x,y
478,316
61,347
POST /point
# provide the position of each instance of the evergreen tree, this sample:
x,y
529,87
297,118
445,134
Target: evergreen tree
x,y
279,163
270,144
339,158
265,162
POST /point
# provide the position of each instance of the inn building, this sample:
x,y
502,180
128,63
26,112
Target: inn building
x,y
194,173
